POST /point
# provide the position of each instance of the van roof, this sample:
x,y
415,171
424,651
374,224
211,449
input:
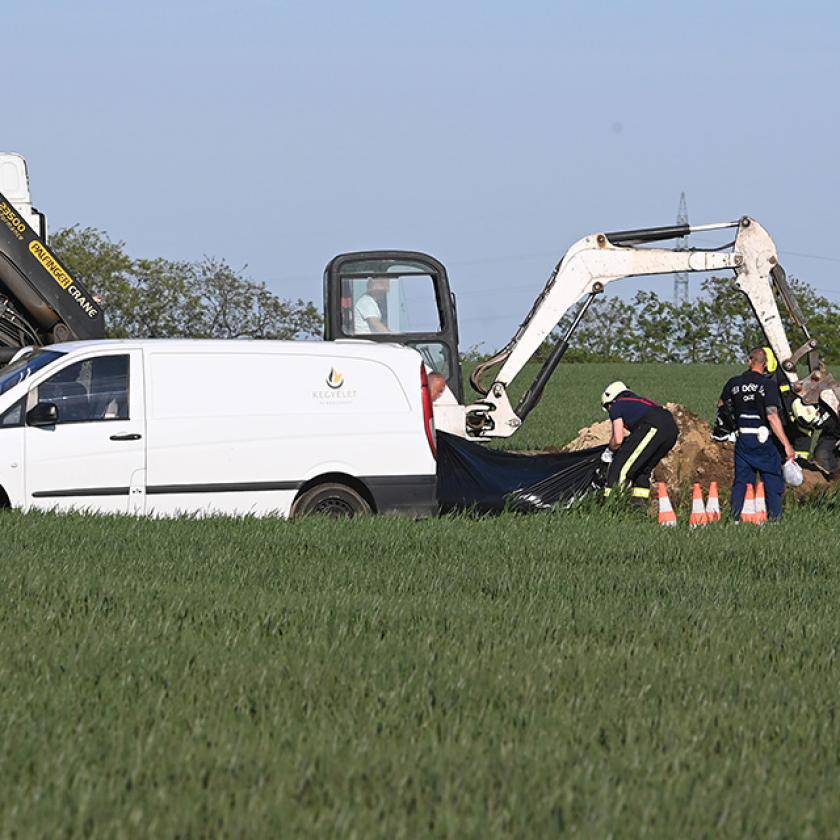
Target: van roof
x,y
346,347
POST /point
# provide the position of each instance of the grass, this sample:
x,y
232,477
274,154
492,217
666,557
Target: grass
x,y
525,676
572,398
583,673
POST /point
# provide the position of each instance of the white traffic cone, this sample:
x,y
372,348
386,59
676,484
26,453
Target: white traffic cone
x,y
713,503
748,510
666,511
698,511
760,504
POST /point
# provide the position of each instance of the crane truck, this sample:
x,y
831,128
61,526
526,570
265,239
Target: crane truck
x,y
40,300
42,303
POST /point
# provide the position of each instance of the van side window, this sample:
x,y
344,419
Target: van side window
x,y
90,390
13,416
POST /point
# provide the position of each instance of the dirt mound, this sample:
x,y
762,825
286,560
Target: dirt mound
x,y
696,457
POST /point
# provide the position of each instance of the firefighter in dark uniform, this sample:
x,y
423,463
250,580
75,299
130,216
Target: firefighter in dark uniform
x,y
816,437
652,435
756,407
726,427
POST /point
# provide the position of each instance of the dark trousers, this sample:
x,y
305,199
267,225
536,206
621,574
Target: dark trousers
x,y
752,457
824,455
652,439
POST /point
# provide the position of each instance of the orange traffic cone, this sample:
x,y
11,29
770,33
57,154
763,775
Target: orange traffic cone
x,y
760,504
748,510
666,512
713,504
698,512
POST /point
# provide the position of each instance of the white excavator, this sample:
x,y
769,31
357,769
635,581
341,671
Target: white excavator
x,y
417,308
42,303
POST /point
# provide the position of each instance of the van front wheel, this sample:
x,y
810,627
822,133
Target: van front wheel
x,y
337,500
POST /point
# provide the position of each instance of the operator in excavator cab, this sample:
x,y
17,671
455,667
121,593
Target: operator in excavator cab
x,y
643,433
368,312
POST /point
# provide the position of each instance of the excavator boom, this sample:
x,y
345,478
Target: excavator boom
x,y
602,258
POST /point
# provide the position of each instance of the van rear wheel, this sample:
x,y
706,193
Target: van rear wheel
x,y
336,500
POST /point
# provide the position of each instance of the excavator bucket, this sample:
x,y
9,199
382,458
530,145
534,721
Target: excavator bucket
x,y
819,385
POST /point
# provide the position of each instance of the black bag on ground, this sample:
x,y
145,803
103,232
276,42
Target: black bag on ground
x,y
471,476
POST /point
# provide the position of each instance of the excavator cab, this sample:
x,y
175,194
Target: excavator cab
x,y
395,296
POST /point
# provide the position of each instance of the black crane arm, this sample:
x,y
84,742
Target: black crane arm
x,y
40,300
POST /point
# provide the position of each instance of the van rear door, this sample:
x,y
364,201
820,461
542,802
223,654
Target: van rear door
x,y
93,452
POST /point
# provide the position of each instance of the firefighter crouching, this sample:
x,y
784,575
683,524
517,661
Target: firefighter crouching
x,y
651,433
754,405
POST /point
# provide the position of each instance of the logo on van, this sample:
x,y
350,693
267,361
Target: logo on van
x,y
335,380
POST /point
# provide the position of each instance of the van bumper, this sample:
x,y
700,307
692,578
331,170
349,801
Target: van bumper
x,y
411,494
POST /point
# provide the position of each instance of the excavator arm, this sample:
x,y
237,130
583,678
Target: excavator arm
x,y
597,260
40,301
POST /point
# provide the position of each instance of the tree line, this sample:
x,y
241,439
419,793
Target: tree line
x,y
159,298
718,325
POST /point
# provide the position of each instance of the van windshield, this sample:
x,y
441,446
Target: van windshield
x,y
25,366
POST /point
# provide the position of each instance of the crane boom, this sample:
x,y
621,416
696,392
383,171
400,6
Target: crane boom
x,y
40,300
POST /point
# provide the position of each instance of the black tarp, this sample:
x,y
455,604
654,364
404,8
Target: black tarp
x,y
471,476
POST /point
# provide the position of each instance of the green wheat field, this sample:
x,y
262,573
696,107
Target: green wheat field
x,y
584,673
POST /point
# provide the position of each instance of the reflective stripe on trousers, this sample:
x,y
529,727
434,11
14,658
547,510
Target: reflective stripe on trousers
x,y
622,476
636,492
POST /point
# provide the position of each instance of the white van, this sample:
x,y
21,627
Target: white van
x,y
239,427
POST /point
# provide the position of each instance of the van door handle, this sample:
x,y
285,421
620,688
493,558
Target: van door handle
x,y
133,436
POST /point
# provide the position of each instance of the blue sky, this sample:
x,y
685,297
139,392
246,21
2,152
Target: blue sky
x,y
492,135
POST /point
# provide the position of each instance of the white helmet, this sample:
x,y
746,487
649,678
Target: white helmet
x,y
611,392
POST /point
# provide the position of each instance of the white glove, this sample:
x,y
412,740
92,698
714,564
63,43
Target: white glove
x,y
607,456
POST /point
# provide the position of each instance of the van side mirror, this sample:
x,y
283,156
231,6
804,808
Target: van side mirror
x,y
43,414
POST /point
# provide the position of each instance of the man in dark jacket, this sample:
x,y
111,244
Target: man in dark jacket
x,y
643,433
757,406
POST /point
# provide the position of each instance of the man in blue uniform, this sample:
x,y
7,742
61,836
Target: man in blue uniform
x,y
756,406
652,435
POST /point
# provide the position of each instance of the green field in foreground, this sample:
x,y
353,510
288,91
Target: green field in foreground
x,y
516,676
572,398
585,672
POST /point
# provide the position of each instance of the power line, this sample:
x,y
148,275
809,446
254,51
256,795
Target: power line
x,y
290,278
811,256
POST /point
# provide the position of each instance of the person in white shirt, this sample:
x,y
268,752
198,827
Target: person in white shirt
x,y
367,313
